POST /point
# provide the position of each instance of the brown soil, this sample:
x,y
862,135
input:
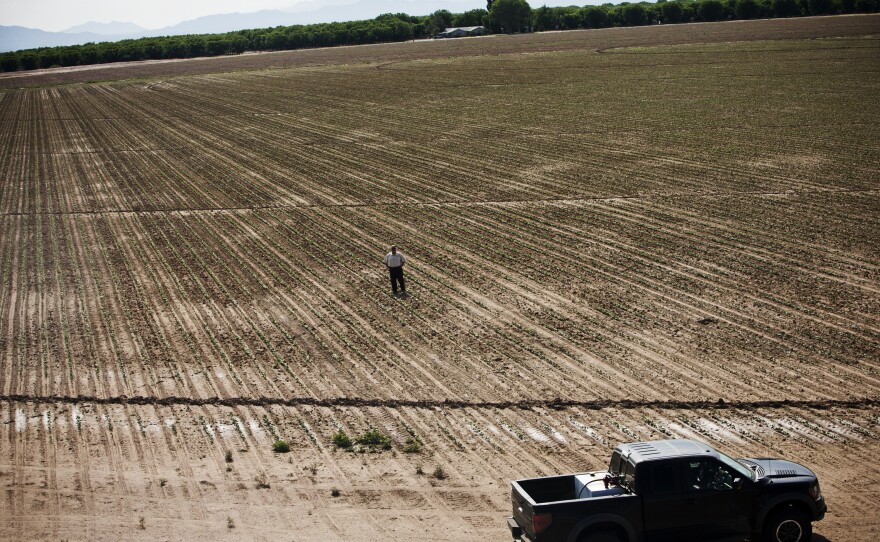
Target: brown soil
x,y
613,235
598,39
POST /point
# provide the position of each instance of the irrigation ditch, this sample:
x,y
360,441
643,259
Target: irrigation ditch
x,y
558,404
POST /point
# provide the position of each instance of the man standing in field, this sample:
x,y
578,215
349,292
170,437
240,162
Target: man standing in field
x,y
395,261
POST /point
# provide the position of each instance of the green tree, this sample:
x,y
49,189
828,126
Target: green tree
x,y
49,58
29,60
387,17
153,49
747,9
419,30
671,12
70,56
473,17
195,46
787,8
594,17
570,19
510,15
132,51
275,40
634,15
710,10
237,45
821,7
439,21
174,48
216,46
323,37
652,11
543,19
9,62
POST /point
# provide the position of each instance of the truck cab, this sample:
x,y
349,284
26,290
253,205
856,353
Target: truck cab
x,y
670,490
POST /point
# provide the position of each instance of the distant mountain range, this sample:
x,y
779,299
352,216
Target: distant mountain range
x,y
106,29
13,38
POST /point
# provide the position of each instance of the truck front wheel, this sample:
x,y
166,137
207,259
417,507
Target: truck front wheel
x,y
788,525
604,536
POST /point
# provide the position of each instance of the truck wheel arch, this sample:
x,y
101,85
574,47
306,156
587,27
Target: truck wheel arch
x,y
796,500
611,520
786,523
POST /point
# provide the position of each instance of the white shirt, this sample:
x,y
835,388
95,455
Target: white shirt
x,y
394,260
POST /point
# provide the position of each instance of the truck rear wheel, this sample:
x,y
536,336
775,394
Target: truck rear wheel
x,y
788,525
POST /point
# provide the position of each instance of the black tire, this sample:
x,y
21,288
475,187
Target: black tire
x,y
602,536
788,525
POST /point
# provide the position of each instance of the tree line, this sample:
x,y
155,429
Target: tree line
x,y
687,11
507,16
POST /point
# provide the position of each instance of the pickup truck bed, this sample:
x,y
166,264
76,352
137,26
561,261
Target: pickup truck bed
x,y
568,487
570,497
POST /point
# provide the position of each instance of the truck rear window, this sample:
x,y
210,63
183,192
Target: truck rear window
x,y
614,467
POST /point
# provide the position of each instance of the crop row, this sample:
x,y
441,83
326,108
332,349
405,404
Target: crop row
x,y
538,300
305,137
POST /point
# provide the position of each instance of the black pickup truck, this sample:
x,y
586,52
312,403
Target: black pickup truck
x,y
670,490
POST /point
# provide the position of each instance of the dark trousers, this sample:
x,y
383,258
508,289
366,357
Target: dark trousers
x,y
397,278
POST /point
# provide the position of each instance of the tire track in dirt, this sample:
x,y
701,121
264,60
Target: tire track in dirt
x,y
767,299
10,254
727,235
86,311
81,472
557,404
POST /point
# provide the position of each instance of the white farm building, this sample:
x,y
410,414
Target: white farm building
x,y
462,31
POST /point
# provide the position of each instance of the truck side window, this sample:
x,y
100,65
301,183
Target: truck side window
x,y
693,471
708,474
722,479
664,479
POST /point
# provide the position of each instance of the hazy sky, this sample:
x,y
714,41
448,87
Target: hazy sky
x,y
57,15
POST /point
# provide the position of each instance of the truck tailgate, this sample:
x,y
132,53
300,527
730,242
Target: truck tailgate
x,y
522,508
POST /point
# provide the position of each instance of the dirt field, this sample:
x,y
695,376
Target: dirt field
x,y
613,235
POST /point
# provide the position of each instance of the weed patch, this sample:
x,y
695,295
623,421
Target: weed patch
x,y
374,439
342,440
